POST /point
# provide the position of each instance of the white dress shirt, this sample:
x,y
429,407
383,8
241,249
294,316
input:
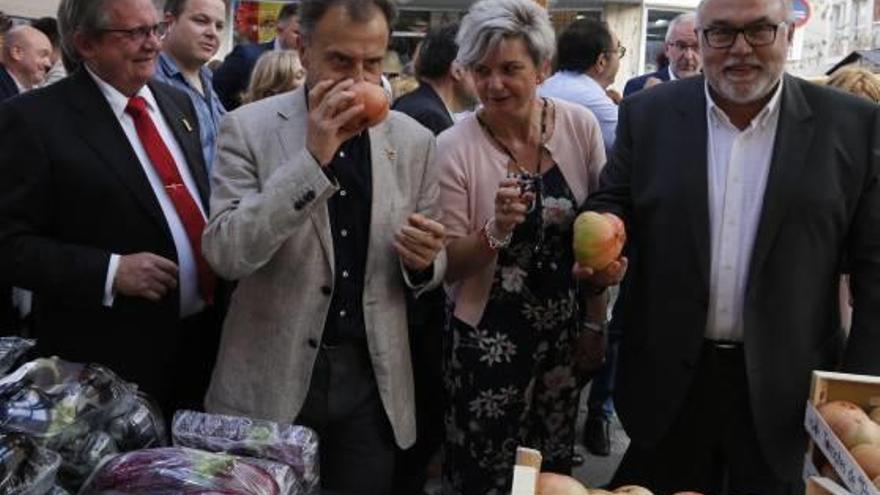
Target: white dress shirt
x,y
190,300
739,163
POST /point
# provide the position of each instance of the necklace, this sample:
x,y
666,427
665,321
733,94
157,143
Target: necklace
x,y
529,182
509,153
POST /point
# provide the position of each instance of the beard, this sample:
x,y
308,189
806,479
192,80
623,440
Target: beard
x,y
749,91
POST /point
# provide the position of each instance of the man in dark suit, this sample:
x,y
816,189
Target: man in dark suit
x,y
26,53
102,201
234,75
444,89
681,51
742,193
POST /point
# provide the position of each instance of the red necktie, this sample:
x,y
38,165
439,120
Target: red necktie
x,y
187,209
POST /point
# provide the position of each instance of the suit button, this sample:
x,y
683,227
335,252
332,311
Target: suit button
x,y
326,290
313,343
310,195
298,205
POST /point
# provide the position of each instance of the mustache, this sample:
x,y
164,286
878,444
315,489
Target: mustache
x,y
742,61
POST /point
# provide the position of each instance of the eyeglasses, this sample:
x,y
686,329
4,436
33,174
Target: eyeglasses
x,y
141,33
620,51
755,35
682,46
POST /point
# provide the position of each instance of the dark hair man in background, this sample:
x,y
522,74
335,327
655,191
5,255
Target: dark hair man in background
x,y
233,76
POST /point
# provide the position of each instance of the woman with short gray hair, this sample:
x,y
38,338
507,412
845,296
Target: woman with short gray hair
x,y
511,178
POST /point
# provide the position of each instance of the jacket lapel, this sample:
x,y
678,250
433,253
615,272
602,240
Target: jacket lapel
x,y
794,132
186,131
691,157
101,131
292,139
383,157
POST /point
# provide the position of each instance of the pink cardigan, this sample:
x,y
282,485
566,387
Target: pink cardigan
x,y
471,169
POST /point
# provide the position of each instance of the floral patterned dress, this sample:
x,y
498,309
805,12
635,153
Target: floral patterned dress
x,y
510,380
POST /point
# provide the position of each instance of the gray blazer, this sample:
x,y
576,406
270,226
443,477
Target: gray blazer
x,y
270,231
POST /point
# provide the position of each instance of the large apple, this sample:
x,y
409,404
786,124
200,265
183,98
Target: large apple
x,y
632,490
558,484
868,457
598,239
850,423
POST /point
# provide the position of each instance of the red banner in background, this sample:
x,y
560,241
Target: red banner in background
x,y
255,21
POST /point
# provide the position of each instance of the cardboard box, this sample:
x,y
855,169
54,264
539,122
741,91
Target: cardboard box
x,y
826,387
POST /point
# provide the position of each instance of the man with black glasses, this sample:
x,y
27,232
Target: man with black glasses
x,y
742,191
682,51
103,199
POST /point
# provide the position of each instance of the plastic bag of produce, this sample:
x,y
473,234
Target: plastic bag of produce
x,y
296,446
11,349
54,400
141,427
82,411
25,468
178,470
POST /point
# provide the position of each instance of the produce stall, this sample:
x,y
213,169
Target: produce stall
x,y
70,428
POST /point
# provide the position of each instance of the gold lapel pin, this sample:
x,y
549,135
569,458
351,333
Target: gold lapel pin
x,y
186,124
390,153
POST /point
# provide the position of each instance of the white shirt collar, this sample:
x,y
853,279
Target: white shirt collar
x,y
767,114
277,45
671,73
119,101
21,88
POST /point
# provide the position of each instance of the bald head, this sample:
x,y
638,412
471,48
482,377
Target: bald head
x,y
26,55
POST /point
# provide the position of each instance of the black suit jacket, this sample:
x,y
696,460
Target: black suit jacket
x,y
234,74
8,88
822,203
72,192
638,83
426,106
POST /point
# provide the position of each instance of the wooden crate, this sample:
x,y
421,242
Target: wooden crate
x,y
862,390
817,485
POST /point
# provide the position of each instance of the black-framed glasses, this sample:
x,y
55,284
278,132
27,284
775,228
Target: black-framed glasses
x,y
755,35
141,33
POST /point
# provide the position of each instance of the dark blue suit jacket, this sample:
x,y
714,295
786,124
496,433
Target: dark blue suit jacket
x,y
426,106
8,88
637,83
233,76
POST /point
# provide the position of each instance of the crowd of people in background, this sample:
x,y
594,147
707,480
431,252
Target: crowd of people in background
x,y
229,235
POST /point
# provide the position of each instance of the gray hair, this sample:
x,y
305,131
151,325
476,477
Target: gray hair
x,y
489,21
680,18
79,16
787,5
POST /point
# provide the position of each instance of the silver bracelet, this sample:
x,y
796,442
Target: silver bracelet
x,y
494,242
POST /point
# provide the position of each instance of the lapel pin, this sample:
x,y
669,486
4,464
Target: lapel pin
x,y
390,153
186,124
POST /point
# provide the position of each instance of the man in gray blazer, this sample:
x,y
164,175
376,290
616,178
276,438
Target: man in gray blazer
x,y
744,193
325,225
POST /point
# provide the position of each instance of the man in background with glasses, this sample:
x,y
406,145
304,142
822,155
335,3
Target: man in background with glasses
x,y
741,191
103,199
681,50
587,61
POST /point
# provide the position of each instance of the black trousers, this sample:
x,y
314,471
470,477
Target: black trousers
x,y
712,447
356,443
